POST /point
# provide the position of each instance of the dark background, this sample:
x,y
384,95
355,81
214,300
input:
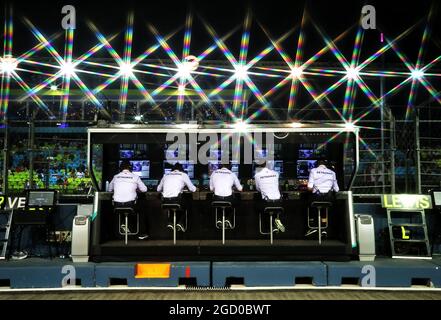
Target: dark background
x,y
334,17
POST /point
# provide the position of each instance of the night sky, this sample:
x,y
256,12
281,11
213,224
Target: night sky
x,y
393,17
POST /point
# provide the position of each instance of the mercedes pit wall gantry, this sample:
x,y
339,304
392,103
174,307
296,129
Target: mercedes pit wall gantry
x,y
293,149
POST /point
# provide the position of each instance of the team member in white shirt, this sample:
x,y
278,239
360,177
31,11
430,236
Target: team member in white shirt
x,y
124,186
321,182
171,186
267,183
221,183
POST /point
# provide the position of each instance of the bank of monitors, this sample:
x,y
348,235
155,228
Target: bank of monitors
x,y
133,151
188,167
308,155
140,168
304,167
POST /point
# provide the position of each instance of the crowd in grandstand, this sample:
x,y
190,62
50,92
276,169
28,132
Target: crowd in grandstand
x,y
60,166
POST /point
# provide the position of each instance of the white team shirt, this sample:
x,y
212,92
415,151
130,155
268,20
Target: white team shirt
x,y
124,186
322,180
173,183
222,182
267,182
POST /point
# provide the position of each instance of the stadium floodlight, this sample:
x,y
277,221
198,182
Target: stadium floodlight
x,y
138,117
241,72
68,69
126,69
349,126
8,64
417,74
296,72
352,73
184,70
240,126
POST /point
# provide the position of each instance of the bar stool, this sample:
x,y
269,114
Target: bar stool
x,y
320,205
126,212
174,207
270,209
223,205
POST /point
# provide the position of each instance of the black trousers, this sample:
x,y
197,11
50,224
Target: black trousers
x,y
143,227
180,214
228,212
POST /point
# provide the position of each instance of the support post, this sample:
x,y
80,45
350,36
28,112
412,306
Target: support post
x,y
5,156
417,151
31,137
392,152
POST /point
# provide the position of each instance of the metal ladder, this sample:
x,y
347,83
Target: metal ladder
x,y
422,225
5,231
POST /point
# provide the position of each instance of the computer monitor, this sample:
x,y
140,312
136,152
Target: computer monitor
x,y
171,154
126,146
188,167
304,167
235,167
140,168
150,182
175,153
214,165
310,151
276,165
306,153
126,154
216,154
260,153
40,199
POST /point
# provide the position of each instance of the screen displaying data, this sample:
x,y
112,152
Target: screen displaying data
x,y
140,168
304,167
188,167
